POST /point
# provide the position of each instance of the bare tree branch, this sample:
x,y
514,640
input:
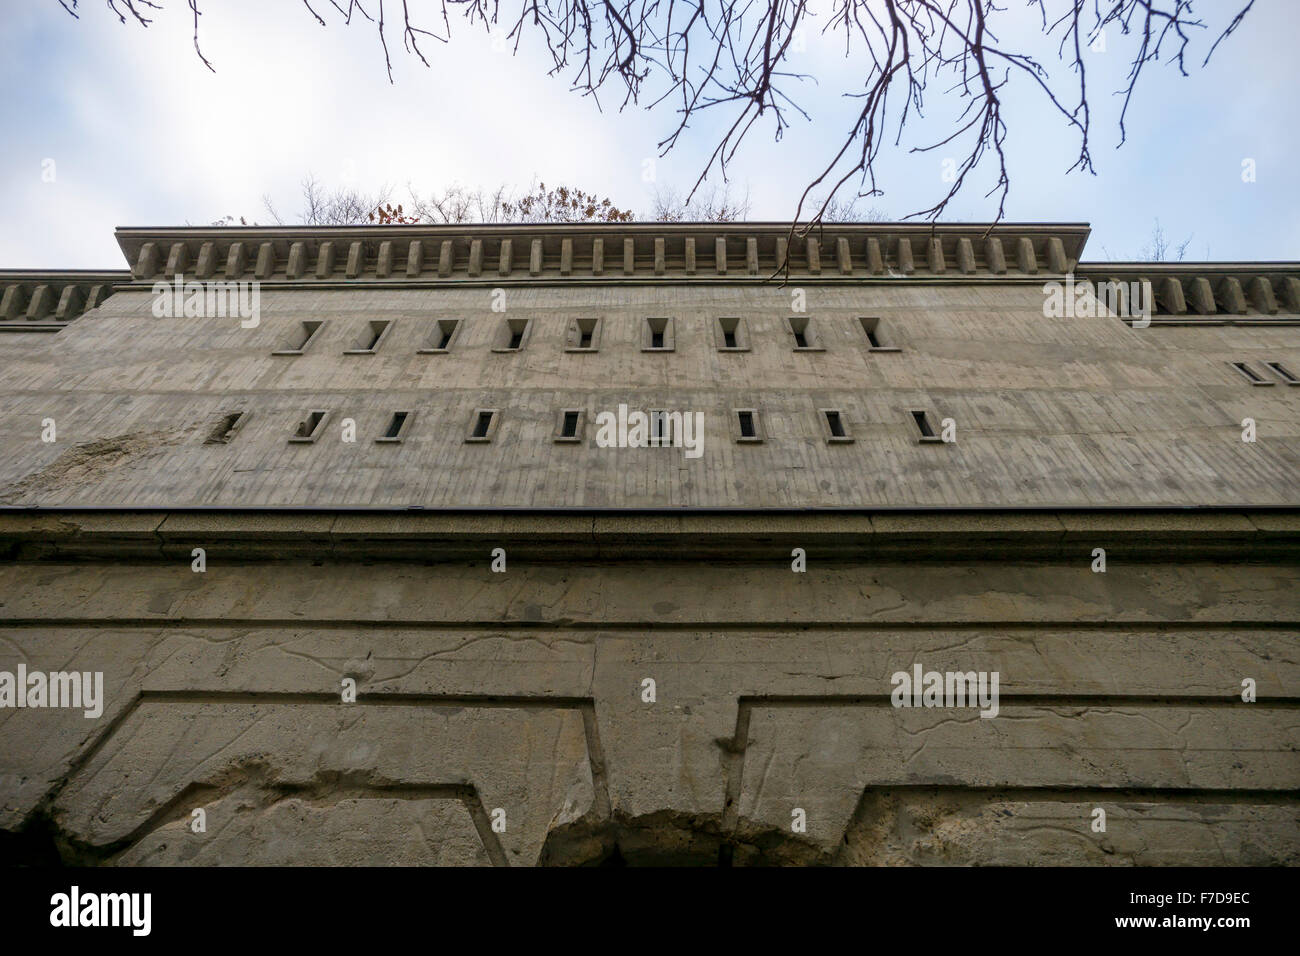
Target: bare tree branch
x,y
736,58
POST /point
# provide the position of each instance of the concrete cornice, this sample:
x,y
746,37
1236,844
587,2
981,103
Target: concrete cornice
x,y
606,252
45,300
1220,534
1208,292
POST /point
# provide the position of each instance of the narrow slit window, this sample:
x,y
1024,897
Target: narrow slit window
x,y
662,427
513,335
1250,374
1283,373
310,427
871,328
446,331
396,427
371,338
568,426
583,335
226,428
483,426
304,338
658,334
732,333
923,426
835,424
747,425
440,339
801,328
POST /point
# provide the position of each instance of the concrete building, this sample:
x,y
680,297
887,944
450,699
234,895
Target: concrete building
x,y
408,460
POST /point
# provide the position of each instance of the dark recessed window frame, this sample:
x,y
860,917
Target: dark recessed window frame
x,y
310,332
871,326
311,426
372,337
747,426
731,333
804,332
583,334
657,334
834,428
225,430
399,423
570,426
483,425
1282,372
514,335
921,420
445,334
1249,374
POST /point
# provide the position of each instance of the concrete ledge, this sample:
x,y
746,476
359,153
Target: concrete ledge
x,y
1245,535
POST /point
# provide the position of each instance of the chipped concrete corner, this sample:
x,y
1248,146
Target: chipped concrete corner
x,y
312,653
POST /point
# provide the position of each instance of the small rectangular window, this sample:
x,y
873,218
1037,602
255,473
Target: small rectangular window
x,y
731,334
923,426
513,334
748,427
309,428
805,339
583,335
835,430
663,426
1283,373
444,331
226,428
396,430
871,328
370,339
569,426
658,335
1250,374
304,338
483,425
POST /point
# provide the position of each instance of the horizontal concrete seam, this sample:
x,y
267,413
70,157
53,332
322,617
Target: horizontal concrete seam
x,y
506,626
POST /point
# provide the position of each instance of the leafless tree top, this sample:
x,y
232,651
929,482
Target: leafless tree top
x,y
737,59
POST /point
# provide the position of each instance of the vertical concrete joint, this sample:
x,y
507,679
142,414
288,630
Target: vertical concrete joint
x,y
1026,260
325,260
384,261
146,264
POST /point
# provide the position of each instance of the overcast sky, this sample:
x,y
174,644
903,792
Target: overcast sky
x,y
142,134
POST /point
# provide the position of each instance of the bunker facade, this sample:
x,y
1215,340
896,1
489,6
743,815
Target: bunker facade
x,y
578,544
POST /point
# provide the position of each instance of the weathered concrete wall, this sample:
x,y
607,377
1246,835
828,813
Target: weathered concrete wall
x,y
503,717
523,691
